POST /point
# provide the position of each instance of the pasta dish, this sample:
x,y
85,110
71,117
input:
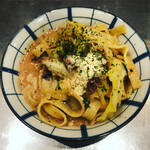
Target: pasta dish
x,y
77,74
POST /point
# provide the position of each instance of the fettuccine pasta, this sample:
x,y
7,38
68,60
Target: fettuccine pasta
x,y
78,74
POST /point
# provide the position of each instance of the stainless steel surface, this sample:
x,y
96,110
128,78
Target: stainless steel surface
x,y
14,135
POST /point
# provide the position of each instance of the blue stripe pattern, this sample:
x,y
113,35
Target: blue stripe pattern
x,y
133,103
92,17
53,130
14,94
69,13
28,115
129,38
15,72
84,131
49,21
34,37
145,80
140,57
113,122
17,49
113,22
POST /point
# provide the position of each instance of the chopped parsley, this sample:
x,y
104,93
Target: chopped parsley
x,y
80,71
131,70
88,71
41,49
95,67
102,87
86,103
59,88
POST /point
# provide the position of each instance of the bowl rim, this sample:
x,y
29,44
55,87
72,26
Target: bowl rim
x,y
81,138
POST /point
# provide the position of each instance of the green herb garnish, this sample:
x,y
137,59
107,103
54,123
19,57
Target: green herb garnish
x,y
86,103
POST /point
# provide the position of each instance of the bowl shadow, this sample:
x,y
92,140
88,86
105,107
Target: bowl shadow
x,y
81,142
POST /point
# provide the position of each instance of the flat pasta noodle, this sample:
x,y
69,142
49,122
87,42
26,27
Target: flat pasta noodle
x,y
91,111
61,104
116,75
51,114
102,97
132,73
56,109
101,28
46,44
118,30
59,94
78,73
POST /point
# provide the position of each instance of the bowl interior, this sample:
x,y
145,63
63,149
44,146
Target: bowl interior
x,y
51,20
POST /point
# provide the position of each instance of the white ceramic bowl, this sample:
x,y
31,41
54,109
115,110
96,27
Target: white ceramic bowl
x,y
54,19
